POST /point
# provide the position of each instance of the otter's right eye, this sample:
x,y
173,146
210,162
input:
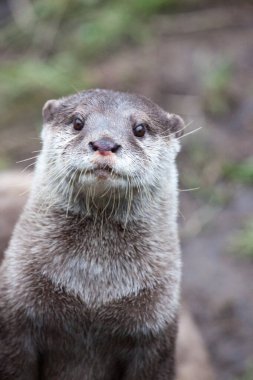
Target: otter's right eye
x,y
78,123
139,130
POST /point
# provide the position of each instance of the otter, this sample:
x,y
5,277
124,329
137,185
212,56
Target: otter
x,y
192,359
90,282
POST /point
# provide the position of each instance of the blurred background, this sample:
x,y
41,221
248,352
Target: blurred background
x,y
194,58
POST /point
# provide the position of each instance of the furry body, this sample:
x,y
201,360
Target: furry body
x,y
90,283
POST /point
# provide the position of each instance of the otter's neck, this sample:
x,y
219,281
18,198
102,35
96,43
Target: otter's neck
x,y
130,205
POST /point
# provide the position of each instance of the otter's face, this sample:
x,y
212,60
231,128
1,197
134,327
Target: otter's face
x,y
109,139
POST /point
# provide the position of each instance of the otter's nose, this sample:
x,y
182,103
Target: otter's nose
x,y
104,146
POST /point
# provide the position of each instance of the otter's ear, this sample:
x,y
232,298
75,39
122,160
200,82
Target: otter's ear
x,y
176,125
49,109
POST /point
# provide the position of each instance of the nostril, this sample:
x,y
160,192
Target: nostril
x,y
93,146
115,148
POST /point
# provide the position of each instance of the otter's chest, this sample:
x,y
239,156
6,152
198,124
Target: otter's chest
x,y
103,263
101,278
119,276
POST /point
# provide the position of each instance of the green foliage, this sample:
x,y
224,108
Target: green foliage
x,y
49,45
248,374
218,98
90,26
28,84
242,172
4,163
242,243
149,7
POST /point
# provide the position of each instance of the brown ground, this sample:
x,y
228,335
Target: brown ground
x,y
175,67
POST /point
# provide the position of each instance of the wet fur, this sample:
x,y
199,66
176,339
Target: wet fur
x,y
90,282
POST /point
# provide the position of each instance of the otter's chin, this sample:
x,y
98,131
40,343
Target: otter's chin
x,y
102,179
101,174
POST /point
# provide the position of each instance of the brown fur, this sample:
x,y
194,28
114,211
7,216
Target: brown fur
x,y
90,282
192,358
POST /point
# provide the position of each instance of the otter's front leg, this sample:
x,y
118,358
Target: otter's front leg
x,y
153,360
18,358
17,362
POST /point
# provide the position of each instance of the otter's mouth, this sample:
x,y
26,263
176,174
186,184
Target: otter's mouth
x,y
102,172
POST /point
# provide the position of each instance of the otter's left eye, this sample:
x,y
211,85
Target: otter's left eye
x,y
139,130
78,123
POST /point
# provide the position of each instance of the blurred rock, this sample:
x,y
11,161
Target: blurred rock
x,y
13,193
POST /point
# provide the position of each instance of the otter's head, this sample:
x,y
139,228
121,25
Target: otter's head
x,y
105,139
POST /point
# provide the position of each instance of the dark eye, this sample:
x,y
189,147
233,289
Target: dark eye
x,y
139,130
78,123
